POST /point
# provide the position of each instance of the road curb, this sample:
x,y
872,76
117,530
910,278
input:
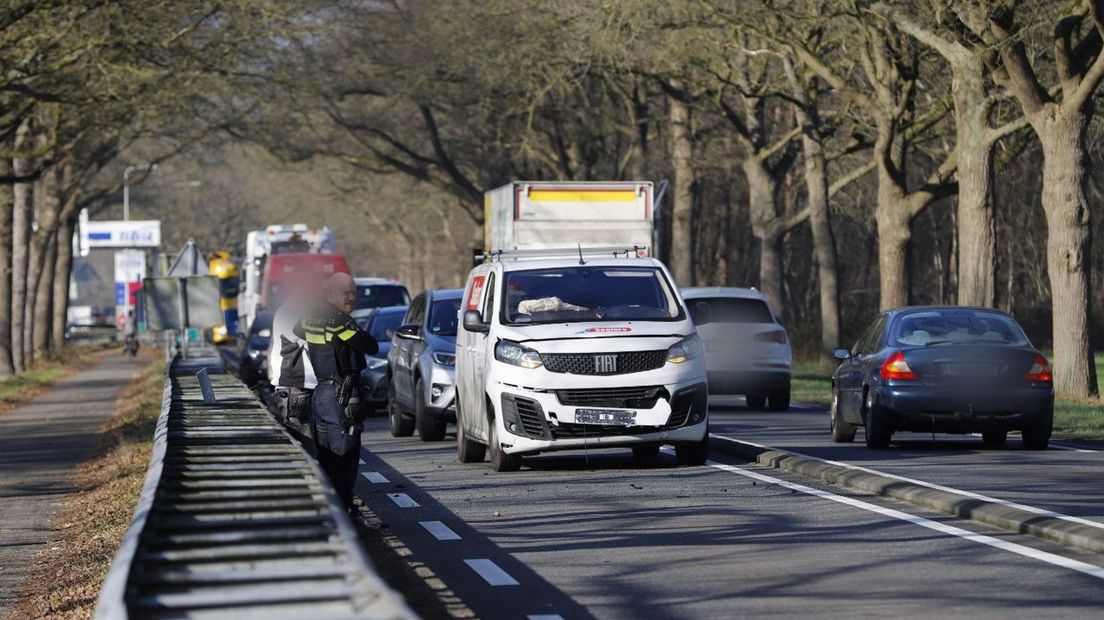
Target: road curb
x,y
1012,519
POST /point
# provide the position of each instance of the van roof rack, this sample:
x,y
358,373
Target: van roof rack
x,y
619,251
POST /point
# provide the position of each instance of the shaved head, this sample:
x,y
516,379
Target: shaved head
x,y
340,290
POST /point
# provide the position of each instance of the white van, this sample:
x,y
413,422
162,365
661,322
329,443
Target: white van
x,y
561,352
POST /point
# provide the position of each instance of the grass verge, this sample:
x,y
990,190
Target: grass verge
x,y
1073,418
66,576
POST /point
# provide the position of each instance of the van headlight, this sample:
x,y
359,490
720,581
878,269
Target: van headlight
x,y
516,355
687,349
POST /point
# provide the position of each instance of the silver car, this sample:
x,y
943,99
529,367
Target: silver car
x,y
421,366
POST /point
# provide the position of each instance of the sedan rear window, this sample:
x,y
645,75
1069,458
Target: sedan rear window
x,y
729,310
950,327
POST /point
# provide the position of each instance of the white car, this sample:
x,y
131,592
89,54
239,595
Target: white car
x,y
747,350
574,353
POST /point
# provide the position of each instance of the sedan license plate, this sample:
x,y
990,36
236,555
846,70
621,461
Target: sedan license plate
x,y
971,370
620,417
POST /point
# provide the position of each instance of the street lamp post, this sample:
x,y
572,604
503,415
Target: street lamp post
x,y
126,185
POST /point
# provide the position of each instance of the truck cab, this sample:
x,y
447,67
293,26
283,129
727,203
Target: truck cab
x,y
577,349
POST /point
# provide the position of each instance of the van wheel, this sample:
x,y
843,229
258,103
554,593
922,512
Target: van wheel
x,y
401,426
500,461
429,427
755,402
646,452
467,450
842,432
693,454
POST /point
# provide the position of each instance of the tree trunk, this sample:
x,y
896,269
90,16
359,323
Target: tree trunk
x,y
46,214
7,199
824,248
1069,243
977,256
22,210
682,199
766,228
63,267
894,234
44,302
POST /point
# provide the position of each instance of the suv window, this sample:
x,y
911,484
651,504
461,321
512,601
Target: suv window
x,y
729,310
417,311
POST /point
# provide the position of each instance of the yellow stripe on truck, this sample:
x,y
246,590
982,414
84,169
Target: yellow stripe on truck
x,y
555,195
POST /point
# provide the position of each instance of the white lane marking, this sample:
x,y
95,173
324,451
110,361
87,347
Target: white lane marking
x,y
491,573
375,477
931,485
1058,446
402,500
439,530
544,617
943,528
362,462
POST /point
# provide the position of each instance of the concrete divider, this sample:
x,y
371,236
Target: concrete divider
x,y
236,520
1040,523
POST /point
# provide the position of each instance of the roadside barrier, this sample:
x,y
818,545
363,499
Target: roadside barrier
x,y
236,520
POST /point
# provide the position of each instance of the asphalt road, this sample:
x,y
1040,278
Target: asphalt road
x,y
1063,479
600,535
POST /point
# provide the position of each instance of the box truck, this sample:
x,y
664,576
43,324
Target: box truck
x,y
533,215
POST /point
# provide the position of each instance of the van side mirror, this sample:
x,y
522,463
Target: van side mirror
x,y
473,322
409,331
841,354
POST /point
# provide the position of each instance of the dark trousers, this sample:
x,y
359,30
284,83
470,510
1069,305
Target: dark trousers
x,y
338,451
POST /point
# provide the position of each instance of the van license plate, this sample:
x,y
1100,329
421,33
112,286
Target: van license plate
x,y
621,417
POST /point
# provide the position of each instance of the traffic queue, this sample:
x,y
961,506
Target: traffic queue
x,y
568,334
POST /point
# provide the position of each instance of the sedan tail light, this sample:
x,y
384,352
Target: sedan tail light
x,y
895,367
777,336
1040,371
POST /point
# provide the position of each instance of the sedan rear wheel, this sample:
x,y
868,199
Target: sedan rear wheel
x,y
994,439
842,432
780,400
1037,438
878,433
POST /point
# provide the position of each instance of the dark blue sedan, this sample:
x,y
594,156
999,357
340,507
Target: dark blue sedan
x,y
943,369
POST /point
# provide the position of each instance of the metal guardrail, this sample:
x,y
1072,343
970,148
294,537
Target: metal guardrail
x,y
235,519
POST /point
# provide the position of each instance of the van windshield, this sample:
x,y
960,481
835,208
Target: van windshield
x,y
586,294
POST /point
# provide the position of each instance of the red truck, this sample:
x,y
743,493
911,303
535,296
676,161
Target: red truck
x,y
281,267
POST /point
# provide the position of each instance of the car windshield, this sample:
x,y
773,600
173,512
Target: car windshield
x,y
585,294
442,316
939,327
380,296
382,325
728,310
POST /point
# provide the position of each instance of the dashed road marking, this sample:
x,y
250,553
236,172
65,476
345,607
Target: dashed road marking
x,y
362,462
931,485
943,528
491,573
544,617
402,500
375,477
439,530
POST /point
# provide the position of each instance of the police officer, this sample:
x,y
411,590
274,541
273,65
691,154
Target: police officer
x,y
337,347
289,366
